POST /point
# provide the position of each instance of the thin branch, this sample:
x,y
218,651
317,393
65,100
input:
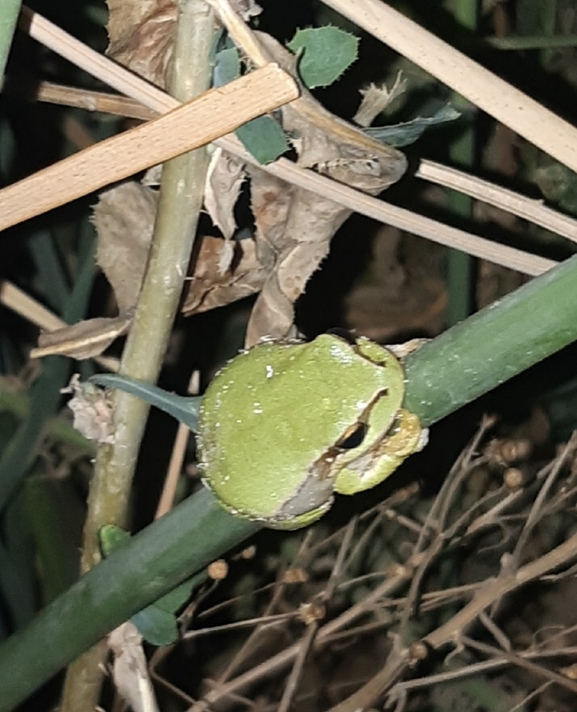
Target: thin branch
x,y
536,512
451,632
508,200
522,662
530,209
181,191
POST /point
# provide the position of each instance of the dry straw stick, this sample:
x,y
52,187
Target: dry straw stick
x,y
196,123
155,99
486,90
531,209
92,62
526,208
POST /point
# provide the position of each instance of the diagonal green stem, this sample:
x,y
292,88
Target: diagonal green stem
x,y
468,360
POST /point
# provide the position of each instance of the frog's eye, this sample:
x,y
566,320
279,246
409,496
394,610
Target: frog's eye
x,y
353,437
344,334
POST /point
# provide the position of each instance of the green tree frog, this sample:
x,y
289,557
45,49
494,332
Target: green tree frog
x,y
285,425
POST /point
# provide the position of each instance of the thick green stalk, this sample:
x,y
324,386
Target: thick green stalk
x,y
181,193
492,346
465,362
9,11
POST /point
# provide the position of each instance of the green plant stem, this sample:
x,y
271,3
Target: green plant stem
x,y
9,11
181,192
445,374
533,42
492,346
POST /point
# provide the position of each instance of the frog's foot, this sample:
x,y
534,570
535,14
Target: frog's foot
x,y
423,440
401,351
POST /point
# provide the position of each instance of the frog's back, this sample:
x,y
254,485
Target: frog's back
x,y
272,412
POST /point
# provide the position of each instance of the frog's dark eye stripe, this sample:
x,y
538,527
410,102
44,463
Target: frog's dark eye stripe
x,y
353,437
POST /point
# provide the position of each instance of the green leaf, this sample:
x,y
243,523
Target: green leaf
x,y
112,537
264,138
399,135
156,626
156,623
227,67
326,52
176,598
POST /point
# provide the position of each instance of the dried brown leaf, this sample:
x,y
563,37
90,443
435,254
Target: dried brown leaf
x,y
246,8
210,288
393,298
124,220
141,36
376,99
223,182
92,411
294,226
130,669
85,339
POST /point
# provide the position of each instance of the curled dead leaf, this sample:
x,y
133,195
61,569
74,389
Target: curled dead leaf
x,y
86,339
130,669
223,182
294,226
92,411
141,36
246,8
210,288
124,220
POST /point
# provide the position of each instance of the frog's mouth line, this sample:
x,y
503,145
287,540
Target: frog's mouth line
x,y
315,493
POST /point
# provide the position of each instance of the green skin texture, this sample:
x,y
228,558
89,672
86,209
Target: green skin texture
x,y
274,422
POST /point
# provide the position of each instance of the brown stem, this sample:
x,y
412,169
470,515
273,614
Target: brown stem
x,y
181,193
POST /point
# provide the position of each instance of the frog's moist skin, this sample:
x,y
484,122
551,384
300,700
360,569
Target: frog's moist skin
x,y
284,425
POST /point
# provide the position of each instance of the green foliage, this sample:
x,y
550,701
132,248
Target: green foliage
x,y
325,53
226,66
9,10
409,131
112,537
264,138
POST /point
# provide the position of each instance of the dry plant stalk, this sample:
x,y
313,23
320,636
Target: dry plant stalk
x,y
156,100
481,87
508,200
